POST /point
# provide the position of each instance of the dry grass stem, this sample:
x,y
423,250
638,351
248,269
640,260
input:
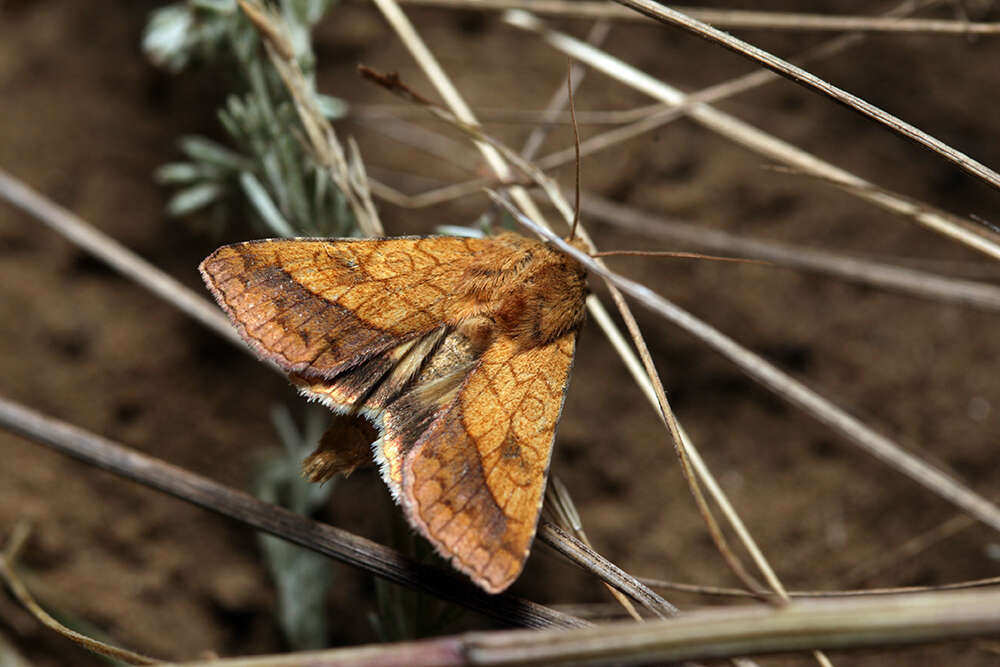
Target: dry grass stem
x,y
750,136
877,274
666,15
366,113
581,553
721,591
437,145
439,195
729,18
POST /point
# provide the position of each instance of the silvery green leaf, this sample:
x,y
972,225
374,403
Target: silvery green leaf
x,y
9,657
333,108
201,149
264,205
193,198
178,173
217,6
166,36
301,579
304,13
457,230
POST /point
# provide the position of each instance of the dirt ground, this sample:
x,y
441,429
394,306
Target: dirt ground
x,y
85,120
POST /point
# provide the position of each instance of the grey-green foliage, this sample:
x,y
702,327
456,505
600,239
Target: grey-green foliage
x,y
404,614
268,166
9,656
267,169
302,578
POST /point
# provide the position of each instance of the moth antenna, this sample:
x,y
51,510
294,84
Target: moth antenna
x,y
576,146
682,255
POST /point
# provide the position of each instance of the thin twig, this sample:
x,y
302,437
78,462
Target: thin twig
x,y
443,148
720,591
578,552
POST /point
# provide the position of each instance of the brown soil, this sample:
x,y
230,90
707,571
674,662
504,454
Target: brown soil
x,y
85,120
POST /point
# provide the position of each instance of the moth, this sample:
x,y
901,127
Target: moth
x,y
458,350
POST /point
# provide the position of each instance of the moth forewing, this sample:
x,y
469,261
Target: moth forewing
x,y
457,349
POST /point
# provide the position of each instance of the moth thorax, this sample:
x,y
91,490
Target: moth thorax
x,y
527,290
546,305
